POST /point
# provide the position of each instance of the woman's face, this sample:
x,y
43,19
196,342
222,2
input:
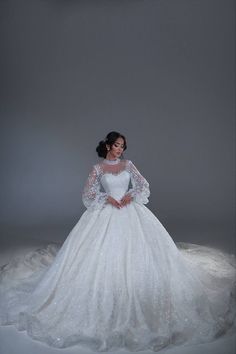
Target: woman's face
x,y
116,149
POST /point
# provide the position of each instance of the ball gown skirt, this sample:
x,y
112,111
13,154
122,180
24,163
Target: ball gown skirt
x,y
119,280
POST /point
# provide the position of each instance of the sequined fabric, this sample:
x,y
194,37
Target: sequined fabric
x,y
119,280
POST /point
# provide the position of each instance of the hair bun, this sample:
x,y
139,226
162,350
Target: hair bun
x,y
109,140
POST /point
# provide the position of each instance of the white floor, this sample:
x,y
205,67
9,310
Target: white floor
x,y
14,342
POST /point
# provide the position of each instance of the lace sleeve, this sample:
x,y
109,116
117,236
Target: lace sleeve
x,y
140,187
92,197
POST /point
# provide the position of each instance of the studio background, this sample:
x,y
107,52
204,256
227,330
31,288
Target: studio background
x,y
160,72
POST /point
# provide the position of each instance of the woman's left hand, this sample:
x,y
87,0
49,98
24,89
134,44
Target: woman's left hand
x,y
126,200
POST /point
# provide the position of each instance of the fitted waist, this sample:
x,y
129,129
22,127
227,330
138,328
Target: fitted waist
x,y
117,195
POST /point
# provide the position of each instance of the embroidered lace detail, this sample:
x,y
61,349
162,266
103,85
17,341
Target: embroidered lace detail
x,y
140,190
114,168
111,162
92,196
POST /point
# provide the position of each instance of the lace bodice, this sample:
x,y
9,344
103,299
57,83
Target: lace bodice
x,y
114,176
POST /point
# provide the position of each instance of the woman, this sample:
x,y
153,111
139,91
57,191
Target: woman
x,y
119,280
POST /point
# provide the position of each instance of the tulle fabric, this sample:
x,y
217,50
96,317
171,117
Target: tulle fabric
x,y
119,281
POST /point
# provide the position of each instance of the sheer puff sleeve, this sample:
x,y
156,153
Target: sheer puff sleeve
x,y
92,197
140,190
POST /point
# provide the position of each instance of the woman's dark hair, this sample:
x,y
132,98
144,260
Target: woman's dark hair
x,y
109,140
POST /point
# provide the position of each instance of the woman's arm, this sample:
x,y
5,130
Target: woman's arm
x,y
92,197
140,190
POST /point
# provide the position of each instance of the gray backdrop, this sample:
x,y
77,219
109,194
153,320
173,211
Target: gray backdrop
x,y
160,72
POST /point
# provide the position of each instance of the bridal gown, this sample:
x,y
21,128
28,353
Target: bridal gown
x,y
119,280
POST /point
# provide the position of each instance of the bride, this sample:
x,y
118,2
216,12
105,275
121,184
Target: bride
x,y
119,280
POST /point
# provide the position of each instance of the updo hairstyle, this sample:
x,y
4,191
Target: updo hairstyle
x,y
109,140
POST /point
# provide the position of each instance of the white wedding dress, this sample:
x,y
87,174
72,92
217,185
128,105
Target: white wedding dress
x,y
119,280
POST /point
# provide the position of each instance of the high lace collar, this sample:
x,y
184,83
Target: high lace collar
x,y
111,162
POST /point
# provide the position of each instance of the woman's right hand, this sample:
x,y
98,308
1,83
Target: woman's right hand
x,y
114,202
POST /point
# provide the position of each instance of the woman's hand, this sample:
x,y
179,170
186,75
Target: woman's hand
x,y
114,202
126,199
